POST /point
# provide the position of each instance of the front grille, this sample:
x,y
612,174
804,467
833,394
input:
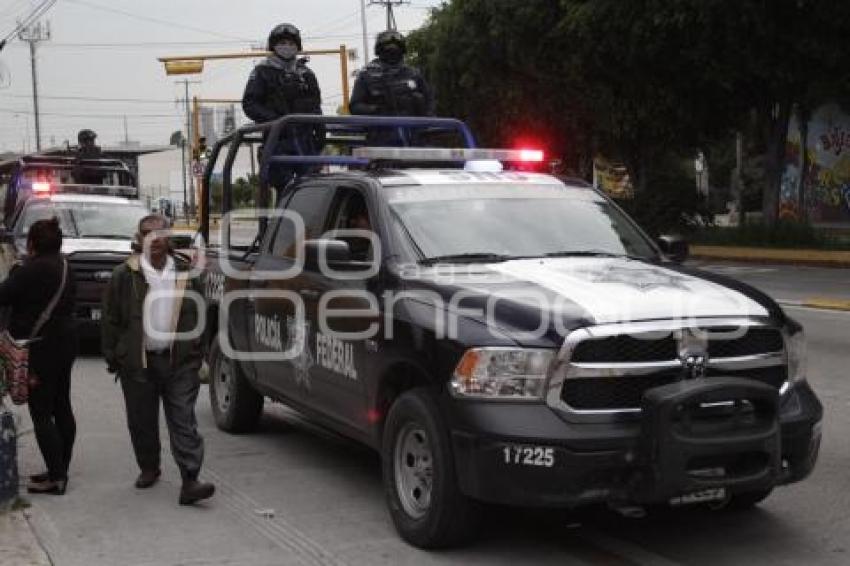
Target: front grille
x,y
755,341
626,392
624,348
623,388
91,274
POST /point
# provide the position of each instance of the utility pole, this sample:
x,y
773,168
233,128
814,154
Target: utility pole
x,y
188,191
389,4
365,33
34,35
126,132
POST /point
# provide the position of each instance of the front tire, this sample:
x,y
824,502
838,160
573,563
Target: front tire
x,y
420,482
235,404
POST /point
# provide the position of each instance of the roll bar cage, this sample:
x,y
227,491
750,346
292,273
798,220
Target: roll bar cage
x,y
348,131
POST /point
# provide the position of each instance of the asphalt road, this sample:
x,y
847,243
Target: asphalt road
x,y
787,282
295,494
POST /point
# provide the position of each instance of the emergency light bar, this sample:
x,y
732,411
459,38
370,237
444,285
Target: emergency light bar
x,y
43,188
448,154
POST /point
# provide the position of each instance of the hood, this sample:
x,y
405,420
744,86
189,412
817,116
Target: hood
x,y
619,289
567,293
73,245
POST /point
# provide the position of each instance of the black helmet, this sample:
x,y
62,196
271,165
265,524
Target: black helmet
x,y
387,37
86,136
283,31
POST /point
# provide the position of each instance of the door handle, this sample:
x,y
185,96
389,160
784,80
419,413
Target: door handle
x,y
309,293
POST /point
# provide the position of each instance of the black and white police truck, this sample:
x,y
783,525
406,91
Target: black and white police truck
x,y
497,335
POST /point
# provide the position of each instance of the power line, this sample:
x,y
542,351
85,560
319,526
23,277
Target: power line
x,y
94,99
389,5
37,12
14,8
90,115
155,20
34,35
130,45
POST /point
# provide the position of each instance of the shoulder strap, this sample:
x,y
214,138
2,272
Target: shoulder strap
x,y
48,310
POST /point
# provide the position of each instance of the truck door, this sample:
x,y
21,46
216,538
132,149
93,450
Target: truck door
x,y
276,327
339,374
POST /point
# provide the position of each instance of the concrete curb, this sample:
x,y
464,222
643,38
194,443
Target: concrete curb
x,y
820,258
20,546
823,303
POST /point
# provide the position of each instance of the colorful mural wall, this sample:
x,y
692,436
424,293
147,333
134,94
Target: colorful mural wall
x,y
826,181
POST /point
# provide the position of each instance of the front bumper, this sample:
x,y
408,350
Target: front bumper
x,y
87,316
527,455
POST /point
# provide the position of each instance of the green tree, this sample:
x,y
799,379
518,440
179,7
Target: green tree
x,y
492,63
643,81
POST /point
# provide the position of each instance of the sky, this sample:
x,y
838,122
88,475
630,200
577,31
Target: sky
x,y
108,49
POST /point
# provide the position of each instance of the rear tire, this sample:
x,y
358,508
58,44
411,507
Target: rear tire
x,y
420,483
235,404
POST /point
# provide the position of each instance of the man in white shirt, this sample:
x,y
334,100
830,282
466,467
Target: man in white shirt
x,y
145,307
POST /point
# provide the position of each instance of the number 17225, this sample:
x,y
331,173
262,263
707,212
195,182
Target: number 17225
x,y
538,456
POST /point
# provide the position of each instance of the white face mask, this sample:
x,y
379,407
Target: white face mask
x,y
286,52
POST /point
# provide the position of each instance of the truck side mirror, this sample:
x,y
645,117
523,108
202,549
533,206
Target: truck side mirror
x,y
332,250
674,247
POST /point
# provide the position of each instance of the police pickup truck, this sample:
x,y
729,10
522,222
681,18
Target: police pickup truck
x,y
499,336
97,205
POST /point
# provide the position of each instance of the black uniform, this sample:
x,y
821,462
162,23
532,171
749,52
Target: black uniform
x,y
383,89
388,87
277,88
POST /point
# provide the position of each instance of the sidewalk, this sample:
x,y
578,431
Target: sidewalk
x,y
18,544
821,258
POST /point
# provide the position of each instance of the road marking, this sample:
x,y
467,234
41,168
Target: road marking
x,y
623,549
737,269
827,303
797,305
277,530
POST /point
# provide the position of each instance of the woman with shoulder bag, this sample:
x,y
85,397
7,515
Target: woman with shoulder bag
x,y
40,293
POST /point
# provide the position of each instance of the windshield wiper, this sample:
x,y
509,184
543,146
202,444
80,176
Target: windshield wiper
x,y
590,253
582,253
484,257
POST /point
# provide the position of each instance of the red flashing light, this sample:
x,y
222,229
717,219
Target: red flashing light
x,y
373,416
41,187
531,155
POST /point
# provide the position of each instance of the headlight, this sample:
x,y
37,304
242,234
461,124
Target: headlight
x,y
502,373
795,347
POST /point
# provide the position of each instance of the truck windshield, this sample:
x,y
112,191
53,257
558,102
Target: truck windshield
x,y
498,222
86,219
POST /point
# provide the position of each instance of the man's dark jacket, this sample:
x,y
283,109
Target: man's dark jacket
x,y
122,332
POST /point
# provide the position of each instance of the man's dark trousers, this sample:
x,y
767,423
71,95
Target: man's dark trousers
x,y
178,390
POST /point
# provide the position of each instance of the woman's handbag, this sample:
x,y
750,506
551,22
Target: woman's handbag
x,y
14,354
